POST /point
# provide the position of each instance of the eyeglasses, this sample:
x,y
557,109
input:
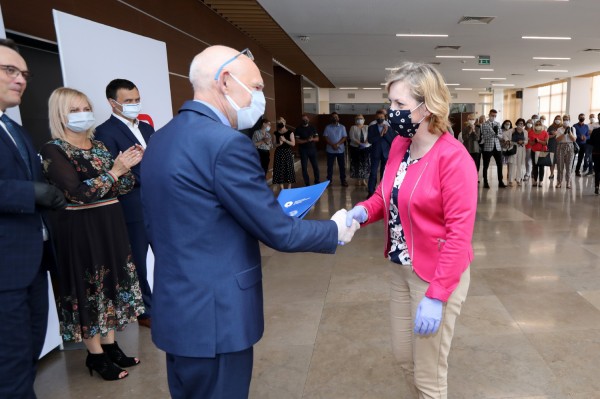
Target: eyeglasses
x,y
14,72
245,52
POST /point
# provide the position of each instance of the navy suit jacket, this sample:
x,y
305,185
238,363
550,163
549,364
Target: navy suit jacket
x,y
207,206
380,145
21,236
118,137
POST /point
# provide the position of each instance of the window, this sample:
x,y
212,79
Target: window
x,y
595,108
552,100
487,102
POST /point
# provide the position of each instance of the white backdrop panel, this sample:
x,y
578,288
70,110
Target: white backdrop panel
x,y
92,54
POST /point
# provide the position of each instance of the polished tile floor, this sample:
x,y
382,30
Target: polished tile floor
x,y
530,327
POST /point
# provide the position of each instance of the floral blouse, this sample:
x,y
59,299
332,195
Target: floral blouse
x,y
82,174
399,249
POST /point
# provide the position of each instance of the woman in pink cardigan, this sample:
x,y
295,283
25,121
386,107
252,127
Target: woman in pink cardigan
x,y
427,199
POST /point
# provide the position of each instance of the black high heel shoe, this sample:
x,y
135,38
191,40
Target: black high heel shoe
x,y
101,363
116,355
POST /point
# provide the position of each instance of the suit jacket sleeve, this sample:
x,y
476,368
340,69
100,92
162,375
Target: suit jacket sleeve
x,y
241,189
17,196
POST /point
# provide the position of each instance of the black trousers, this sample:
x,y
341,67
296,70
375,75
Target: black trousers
x,y
225,376
305,156
477,159
487,155
265,158
580,157
537,172
596,160
23,322
139,251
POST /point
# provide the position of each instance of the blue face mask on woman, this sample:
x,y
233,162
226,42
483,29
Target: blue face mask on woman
x,y
401,121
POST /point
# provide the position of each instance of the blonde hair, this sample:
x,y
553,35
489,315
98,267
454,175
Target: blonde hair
x,y
427,86
59,106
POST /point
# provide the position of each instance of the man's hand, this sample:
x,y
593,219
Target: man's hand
x,y
345,233
48,196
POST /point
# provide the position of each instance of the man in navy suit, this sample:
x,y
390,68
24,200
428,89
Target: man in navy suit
x,y
121,131
380,135
23,238
207,206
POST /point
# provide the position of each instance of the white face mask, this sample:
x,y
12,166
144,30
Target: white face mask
x,y
557,121
471,122
492,118
529,125
247,116
268,129
506,126
567,123
592,120
130,111
360,121
79,122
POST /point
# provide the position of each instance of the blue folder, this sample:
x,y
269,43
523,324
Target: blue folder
x,y
296,202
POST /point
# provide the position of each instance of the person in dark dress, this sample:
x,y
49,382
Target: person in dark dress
x,y
283,167
99,290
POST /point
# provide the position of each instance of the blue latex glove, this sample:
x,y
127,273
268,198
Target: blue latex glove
x,y
429,316
358,213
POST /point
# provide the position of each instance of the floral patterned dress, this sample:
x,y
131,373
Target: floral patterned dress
x,y
399,249
98,288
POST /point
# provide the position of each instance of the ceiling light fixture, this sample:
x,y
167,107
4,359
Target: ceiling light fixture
x,y
348,88
452,84
478,70
546,37
552,70
371,88
463,88
392,69
551,58
503,84
455,56
492,78
419,35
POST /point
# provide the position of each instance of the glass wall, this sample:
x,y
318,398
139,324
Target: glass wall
x,y
552,100
595,107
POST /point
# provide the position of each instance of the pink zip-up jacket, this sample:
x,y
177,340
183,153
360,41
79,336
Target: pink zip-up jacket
x,y
437,202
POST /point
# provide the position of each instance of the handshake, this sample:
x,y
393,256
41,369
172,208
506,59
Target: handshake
x,y
348,222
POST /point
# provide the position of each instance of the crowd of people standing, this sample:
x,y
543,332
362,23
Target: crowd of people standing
x,y
530,146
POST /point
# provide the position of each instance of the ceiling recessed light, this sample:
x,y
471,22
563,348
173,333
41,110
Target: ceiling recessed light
x,y
546,37
551,58
455,56
503,84
371,88
463,88
348,88
478,70
452,84
552,70
492,78
419,35
383,84
392,69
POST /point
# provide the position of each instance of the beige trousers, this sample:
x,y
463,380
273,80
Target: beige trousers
x,y
423,359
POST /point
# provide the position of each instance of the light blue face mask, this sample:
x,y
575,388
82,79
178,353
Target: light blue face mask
x,y
247,116
130,111
80,122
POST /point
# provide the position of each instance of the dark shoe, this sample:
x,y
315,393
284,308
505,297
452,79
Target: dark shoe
x,y
597,191
117,356
344,184
101,364
590,173
550,177
578,174
486,185
502,185
145,322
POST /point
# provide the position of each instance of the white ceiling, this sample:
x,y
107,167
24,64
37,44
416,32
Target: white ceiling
x,y
352,41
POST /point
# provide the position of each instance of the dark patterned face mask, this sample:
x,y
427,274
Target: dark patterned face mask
x,y
401,122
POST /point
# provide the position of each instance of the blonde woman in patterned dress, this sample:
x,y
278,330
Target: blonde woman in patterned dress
x,y
98,287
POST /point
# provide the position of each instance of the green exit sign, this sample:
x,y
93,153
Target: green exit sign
x,y
484,60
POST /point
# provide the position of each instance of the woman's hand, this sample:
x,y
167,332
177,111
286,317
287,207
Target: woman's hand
x,y
126,160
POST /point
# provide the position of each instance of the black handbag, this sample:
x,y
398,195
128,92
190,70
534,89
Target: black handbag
x,y
511,151
575,148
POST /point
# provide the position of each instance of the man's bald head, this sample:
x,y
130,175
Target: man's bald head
x,y
206,64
